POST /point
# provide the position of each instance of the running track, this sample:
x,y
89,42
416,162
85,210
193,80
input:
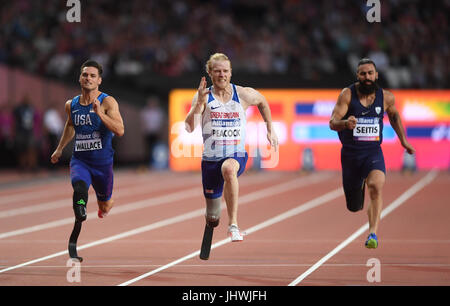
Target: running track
x,y
298,232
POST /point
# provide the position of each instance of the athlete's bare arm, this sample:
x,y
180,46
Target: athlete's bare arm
x,y
339,111
197,107
395,120
252,97
109,113
66,136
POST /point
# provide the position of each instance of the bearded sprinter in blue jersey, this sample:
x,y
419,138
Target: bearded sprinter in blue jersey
x,y
93,118
358,119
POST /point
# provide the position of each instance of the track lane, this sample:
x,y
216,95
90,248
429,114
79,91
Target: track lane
x,y
414,244
271,256
159,213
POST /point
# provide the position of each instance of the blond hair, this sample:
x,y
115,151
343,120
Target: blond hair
x,y
216,57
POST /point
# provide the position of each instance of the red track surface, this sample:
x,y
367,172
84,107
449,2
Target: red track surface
x,y
414,238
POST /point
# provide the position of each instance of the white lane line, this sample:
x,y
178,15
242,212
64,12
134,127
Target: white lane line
x,y
184,194
170,198
35,191
36,208
135,189
399,201
290,213
270,191
66,202
33,194
246,265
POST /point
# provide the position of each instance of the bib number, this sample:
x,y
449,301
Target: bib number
x,y
367,129
88,145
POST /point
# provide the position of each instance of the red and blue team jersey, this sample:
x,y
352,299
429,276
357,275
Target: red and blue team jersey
x,y
368,133
93,140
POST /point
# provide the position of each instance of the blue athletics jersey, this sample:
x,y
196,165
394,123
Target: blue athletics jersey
x,y
92,138
368,133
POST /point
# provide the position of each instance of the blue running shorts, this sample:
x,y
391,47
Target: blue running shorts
x,y
101,177
356,166
212,178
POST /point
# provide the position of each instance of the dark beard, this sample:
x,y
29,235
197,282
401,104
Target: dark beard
x,y
367,89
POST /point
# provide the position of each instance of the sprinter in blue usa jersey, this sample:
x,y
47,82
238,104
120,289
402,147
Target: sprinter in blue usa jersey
x,y
93,118
358,119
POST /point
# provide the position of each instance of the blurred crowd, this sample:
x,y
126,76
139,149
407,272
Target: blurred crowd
x,y
28,135
309,38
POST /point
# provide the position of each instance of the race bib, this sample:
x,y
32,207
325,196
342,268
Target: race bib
x,y
226,136
226,130
88,145
367,129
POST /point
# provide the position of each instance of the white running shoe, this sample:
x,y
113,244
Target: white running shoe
x,y
234,232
